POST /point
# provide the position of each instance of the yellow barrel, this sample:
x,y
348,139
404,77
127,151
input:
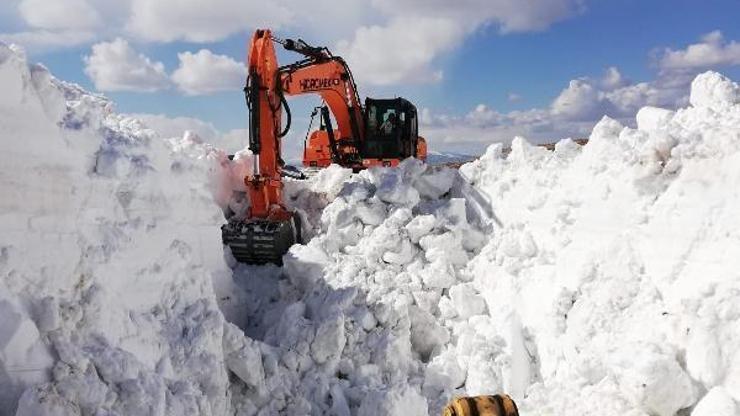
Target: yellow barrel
x,y
496,405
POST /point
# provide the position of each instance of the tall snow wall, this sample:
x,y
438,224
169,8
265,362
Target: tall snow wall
x,y
109,251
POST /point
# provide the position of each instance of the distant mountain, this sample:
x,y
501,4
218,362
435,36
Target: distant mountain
x,y
443,158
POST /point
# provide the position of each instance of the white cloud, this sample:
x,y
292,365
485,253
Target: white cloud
x,y
387,41
713,51
473,132
579,101
401,51
418,32
42,40
205,73
613,79
169,20
509,15
572,113
513,97
59,14
115,66
47,25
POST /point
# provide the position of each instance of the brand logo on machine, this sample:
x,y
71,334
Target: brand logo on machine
x,y
318,83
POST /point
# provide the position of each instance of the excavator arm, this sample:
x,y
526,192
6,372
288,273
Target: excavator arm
x,y
269,228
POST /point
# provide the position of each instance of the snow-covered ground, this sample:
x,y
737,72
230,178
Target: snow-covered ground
x,y
594,280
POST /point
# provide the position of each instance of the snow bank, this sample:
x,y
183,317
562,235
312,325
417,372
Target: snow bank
x,y
616,262
110,258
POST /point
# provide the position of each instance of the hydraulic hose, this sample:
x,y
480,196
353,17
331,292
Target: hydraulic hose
x,y
285,105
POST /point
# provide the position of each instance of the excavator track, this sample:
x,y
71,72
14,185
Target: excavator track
x,y
261,241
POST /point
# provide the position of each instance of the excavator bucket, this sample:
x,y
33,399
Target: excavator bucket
x,y
257,241
496,405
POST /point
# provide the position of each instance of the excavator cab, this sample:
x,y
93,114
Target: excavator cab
x,y
391,132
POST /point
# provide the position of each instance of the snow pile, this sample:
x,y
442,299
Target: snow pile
x,y
590,280
615,264
349,328
110,258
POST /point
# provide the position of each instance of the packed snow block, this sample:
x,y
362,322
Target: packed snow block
x,y
435,183
304,265
329,340
340,406
82,386
341,226
14,76
519,245
426,333
403,255
393,400
446,248
386,238
654,381
453,213
244,358
714,91
443,373
716,403
371,212
331,180
653,118
606,130
704,360
567,149
467,301
24,358
438,274
420,226
37,402
392,186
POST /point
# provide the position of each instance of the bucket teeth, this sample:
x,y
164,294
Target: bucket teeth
x,y
260,241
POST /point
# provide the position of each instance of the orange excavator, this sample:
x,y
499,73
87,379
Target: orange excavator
x,y
380,133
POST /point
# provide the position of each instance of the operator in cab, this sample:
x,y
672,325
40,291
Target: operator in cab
x,y
389,125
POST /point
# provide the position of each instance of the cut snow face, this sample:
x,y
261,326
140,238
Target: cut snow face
x,y
600,279
110,258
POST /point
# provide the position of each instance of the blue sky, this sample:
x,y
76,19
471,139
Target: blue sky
x,y
482,71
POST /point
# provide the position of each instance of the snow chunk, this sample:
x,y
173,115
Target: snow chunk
x,y
467,301
329,340
716,403
713,90
406,402
655,382
653,118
